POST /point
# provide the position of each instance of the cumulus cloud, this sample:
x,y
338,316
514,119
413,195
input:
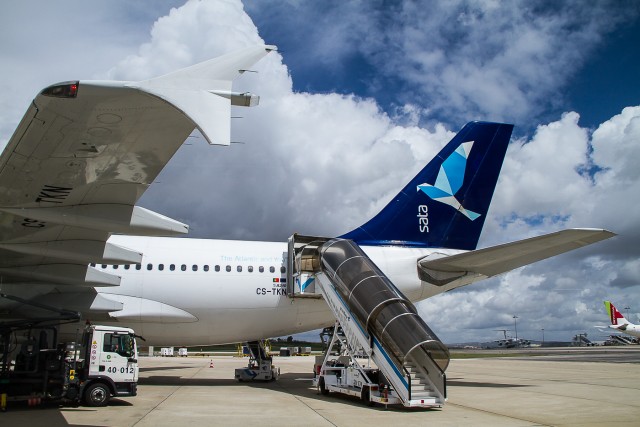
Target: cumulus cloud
x,y
186,36
323,163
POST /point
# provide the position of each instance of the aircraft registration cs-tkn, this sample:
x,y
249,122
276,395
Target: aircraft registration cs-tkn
x,y
72,237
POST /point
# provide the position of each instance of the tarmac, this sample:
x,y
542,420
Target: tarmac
x,y
591,387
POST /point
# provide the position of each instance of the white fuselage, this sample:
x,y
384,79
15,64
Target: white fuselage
x,y
629,329
198,292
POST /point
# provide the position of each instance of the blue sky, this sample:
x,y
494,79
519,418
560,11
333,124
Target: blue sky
x,y
598,82
360,97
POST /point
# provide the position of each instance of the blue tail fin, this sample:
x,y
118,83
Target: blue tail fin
x,y
446,204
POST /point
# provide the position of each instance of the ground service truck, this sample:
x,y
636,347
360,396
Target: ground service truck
x,y
36,367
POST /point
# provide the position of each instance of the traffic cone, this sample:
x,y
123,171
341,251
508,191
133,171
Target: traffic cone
x,y
211,364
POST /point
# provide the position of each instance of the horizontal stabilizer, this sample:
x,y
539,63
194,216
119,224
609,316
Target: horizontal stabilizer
x,y
502,258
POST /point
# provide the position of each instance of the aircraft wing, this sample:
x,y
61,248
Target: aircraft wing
x,y
83,155
487,262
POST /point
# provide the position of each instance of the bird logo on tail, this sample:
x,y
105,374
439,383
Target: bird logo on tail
x,y
449,180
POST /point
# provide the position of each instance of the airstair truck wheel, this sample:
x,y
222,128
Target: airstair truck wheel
x,y
366,396
323,388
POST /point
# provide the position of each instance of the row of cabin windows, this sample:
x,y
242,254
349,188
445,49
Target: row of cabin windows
x,y
194,267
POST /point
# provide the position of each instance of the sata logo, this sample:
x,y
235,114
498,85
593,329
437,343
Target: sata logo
x,y
448,182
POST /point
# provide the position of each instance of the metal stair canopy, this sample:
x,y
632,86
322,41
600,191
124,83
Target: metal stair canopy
x,y
379,306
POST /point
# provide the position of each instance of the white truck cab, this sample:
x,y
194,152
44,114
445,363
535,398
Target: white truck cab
x,y
40,368
111,358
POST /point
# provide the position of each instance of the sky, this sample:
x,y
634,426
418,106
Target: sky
x,y
359,97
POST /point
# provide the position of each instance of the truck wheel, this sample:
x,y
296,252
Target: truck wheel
x,y
97,394
323,388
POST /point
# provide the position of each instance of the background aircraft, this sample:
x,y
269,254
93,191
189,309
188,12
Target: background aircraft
x,y
619,322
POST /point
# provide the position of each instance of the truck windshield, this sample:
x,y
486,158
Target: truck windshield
x,y
123,344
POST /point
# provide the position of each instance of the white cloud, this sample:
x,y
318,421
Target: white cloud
x,y
616,148
192,33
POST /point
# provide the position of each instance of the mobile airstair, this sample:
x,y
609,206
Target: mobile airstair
x,y
621,339
374,319
260,367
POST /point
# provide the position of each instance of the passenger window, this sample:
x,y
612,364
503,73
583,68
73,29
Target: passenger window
x,y
272,269
104,265
194,267
205,267
160,267
149,266
217,268
172,267
183,267
283,270
138,266
261,269
126,267
239,268
93,264
228,268
250,269
115,267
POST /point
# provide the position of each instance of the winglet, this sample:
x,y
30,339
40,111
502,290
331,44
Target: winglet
x,y
203,91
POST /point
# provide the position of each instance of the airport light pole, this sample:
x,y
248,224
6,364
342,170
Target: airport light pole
x,y
515,324
542,345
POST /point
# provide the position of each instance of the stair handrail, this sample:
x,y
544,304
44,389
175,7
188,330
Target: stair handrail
x,y
428,353
409,385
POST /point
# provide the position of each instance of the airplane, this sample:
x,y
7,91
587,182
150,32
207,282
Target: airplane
x,y
73,238
506,342
618,321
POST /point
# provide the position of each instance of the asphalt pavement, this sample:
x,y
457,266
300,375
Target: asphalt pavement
x,y
591,387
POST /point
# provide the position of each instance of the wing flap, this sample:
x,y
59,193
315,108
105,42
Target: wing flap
x,y
83,251
61,274
142,309
123,219
499,259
